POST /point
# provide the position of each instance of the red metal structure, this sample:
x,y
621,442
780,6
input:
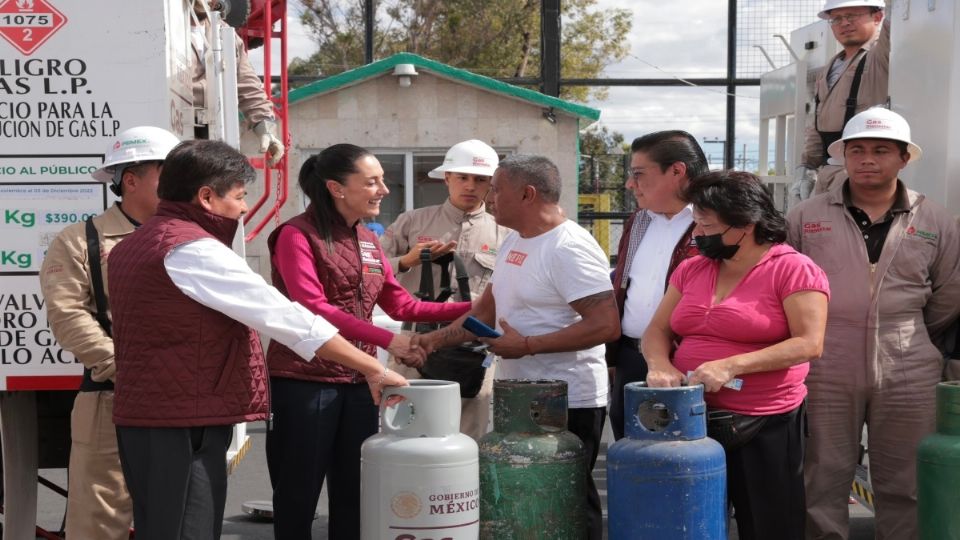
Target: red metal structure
x,y
259,28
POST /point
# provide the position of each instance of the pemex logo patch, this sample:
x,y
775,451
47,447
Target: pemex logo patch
x,y
913,231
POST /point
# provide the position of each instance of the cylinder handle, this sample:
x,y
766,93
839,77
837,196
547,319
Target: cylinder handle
x,y
397,418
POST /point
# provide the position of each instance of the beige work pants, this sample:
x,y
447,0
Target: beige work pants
x,y
98,504
474,412
897,417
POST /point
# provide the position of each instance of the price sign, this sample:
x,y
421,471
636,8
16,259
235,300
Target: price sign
x,y
66,217
31,216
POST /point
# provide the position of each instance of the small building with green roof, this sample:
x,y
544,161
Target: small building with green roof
x,y
409,121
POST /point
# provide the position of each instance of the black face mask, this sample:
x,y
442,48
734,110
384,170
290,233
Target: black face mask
x,y
712,246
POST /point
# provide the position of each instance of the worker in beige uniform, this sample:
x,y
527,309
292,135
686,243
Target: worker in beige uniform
x,y
98,504
253,102
460,224
853,81
893,260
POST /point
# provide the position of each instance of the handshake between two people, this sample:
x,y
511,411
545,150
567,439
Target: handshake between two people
x,y
412,350
408,349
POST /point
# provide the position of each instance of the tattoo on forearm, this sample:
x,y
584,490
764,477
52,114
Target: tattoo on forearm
x,y
451,334
591,301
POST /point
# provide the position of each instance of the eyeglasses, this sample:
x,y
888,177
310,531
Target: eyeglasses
x,y
851,18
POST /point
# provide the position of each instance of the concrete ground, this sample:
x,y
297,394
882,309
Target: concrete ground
x,y
250,482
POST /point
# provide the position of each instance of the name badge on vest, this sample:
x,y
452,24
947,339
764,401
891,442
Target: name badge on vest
x,y
369,258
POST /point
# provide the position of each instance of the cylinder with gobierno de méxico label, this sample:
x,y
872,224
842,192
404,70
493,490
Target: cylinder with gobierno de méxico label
x,y
419,475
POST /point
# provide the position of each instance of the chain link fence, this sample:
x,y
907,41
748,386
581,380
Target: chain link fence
x,y
605,203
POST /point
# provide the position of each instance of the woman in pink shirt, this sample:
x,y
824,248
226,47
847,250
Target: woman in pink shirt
x,y
328,261
744,319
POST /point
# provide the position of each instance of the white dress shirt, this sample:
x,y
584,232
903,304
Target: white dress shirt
x,y
212,274
648,272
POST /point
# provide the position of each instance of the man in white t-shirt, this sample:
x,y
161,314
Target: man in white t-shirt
x,y
551,298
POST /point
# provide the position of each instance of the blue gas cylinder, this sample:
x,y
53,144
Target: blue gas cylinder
x,y
666,480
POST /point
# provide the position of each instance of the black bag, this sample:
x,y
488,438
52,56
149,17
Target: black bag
x,y
462,363
733,430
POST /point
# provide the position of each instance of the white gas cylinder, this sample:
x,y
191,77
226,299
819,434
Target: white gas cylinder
x,y
419,475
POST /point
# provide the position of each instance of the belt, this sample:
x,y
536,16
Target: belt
x,y
90,385
627,341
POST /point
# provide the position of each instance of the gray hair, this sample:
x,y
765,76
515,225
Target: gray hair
x,y
536,171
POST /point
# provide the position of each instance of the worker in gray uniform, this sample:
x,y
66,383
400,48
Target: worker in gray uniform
x,y
462,225
892,256
853,81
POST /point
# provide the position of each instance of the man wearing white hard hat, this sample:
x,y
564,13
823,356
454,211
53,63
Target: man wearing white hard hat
x,y
852,81
74,284
462,225
893,260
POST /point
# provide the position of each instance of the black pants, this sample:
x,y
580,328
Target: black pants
x,y
588,425
317,432
631,367
177,479
765,480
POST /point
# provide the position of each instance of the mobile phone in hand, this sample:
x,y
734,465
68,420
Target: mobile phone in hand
x,y
479,328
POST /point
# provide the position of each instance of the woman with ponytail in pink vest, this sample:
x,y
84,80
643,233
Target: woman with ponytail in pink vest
x,y
327,261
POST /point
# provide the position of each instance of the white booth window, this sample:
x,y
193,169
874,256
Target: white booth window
x,y
406,177
410,187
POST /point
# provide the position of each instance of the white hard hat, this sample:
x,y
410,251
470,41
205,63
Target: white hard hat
x,y
837,4
468,157
141,143
876,123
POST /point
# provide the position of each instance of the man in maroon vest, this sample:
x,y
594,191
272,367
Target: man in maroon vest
x,y
654,241
189,365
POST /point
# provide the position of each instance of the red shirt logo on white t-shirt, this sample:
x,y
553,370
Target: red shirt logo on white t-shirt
x,y
516,257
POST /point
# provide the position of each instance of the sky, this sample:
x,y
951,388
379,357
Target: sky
x,y
679,38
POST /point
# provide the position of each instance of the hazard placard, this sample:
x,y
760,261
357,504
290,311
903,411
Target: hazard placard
x,y
27,24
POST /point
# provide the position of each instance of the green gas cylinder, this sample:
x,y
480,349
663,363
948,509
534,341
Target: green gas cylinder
x,y
532,470
938,470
